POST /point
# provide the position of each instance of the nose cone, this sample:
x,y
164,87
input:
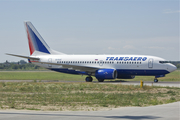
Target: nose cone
x,y
171,67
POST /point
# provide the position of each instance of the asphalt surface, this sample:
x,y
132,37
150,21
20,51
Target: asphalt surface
x,y
160,83
160,112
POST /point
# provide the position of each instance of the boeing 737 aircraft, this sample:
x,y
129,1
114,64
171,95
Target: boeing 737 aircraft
x,y
101,66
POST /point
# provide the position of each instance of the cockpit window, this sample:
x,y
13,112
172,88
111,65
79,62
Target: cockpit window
x,y
164,61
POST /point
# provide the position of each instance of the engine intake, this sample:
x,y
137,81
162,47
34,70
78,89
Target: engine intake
x,y
106,74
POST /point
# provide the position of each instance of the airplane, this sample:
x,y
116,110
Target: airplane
x,y
102,67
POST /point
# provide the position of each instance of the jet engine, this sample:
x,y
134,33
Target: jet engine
x,y
106,74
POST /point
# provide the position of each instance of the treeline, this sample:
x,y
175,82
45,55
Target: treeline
x,y
20,65
177,64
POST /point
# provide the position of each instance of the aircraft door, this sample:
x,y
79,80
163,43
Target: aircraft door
x,y
150,63
50,60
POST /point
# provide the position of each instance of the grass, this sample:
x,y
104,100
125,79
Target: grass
x,y
48,75
81,96
39,75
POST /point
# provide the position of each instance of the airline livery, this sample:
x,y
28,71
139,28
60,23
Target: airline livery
x,y
101,66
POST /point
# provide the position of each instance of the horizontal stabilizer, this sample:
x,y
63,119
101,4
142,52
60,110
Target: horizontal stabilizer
x,y
27,57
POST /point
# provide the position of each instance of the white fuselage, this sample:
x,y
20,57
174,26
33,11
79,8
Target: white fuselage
x,y
124,64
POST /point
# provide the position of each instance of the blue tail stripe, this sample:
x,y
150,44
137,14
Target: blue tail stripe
x,y
38,45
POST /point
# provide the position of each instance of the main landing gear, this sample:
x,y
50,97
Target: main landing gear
x,y
100,80
89,79
155,80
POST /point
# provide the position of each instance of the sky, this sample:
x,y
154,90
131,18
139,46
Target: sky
x,y
143,27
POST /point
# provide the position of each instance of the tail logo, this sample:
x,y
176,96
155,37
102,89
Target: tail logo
x,y
35,43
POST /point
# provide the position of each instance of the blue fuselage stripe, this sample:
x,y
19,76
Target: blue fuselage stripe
x,y
121,72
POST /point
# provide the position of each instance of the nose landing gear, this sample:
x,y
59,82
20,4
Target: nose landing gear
x,y
157,76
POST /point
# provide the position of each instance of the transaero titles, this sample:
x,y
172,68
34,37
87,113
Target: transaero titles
x,y
127,58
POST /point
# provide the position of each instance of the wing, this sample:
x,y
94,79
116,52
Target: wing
x,y
73,67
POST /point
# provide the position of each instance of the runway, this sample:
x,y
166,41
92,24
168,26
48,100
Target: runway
x,y
160,112
150,83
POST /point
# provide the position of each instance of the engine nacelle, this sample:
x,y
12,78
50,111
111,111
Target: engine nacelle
x,y
126,77
106,74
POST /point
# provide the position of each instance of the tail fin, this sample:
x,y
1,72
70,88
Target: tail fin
x,y
37,45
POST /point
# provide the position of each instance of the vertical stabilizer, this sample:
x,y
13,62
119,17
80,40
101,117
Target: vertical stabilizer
x,y
37,45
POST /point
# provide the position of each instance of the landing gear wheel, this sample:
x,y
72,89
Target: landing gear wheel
x,y
89,79
155,80
100,80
